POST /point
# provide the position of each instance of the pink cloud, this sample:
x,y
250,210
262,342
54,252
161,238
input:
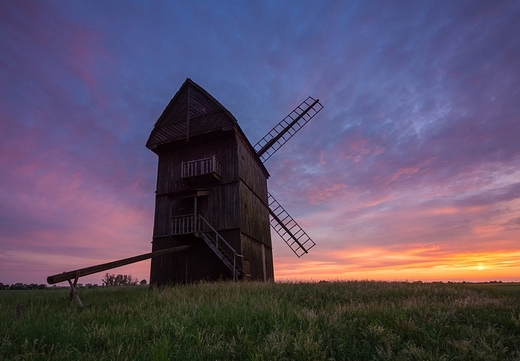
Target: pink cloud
x,y
90,227
63,212
322,194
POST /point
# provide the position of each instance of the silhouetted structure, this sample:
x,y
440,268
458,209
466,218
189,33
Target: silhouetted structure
x,y
212,192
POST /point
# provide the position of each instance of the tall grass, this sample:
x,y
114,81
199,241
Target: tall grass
x,y
264,321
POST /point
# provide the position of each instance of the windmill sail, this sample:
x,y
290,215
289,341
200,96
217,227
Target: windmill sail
x,y
292,234
290,231
287,127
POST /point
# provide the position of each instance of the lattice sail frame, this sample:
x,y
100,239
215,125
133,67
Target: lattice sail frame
x,y
287,128
290,231
281,221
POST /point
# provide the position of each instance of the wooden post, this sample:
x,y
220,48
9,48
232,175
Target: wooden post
x,y
73,291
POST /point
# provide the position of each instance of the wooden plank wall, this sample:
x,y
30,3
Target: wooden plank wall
x,y
161,224
260,259
254,214
221,208
220,144
250,170
236,207
253,192
194,264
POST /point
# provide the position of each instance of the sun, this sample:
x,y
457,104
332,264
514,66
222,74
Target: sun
x,y
480,267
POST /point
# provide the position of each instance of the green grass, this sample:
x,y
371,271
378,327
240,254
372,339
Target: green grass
x,y
265,321
512,289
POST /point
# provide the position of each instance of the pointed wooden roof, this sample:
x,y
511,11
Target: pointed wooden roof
x,y
192,111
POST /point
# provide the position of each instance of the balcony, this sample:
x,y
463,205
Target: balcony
x,y
201,170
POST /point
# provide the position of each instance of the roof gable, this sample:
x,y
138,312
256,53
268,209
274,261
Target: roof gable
x,y
191,111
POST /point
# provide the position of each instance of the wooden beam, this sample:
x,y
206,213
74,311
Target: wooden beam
x,y
65,276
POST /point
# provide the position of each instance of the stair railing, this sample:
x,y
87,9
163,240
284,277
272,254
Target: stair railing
x,y
224,242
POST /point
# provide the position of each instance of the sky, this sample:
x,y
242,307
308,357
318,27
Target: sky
x,y
410,172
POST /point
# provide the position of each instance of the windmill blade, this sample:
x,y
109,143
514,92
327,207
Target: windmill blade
x,y
292,234
287,128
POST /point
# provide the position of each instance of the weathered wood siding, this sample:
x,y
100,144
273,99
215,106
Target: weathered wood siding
x,y
250,170
253,194
161,222
260,259
221,208
254,213
192,265
254,216
219,144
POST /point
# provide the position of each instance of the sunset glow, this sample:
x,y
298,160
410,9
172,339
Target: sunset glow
x,y
411,171
413,265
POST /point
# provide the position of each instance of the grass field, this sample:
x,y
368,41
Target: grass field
x,y
266,321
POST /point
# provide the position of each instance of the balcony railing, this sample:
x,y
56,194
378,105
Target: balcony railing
x,y
201,167
186,224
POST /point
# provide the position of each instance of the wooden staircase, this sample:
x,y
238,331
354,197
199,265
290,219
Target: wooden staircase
x,y
221,248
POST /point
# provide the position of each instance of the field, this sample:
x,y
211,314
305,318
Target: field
x,y
357,320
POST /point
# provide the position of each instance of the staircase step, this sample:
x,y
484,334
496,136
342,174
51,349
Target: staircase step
x,y
219,251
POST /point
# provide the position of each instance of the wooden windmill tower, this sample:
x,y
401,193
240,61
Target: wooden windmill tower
x,y
212,192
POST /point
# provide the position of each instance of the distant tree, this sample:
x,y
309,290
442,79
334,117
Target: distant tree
x,y
108,280
18,286
143,283
118,280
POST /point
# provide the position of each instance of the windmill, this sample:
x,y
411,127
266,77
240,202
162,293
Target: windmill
x,y
212,193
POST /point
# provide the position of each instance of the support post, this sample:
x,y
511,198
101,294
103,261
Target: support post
x,y
73,291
